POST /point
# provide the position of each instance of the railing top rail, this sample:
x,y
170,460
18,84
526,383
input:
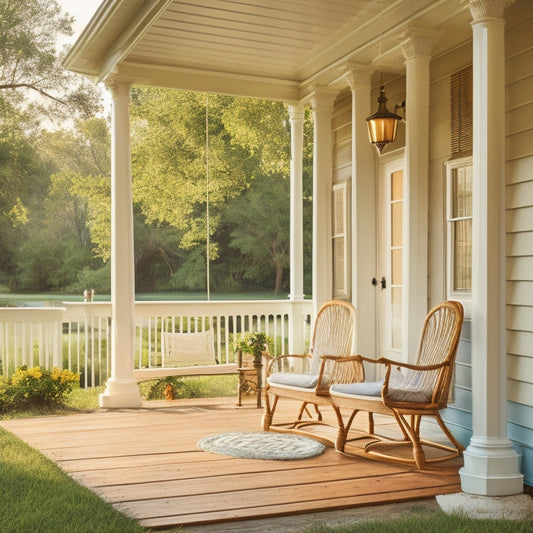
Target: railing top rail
x,y
82,310
31,314
188,307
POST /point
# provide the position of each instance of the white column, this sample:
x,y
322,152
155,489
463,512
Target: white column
x,y
322,103
296,224
491,464
363,232
415,188
296,325
121,388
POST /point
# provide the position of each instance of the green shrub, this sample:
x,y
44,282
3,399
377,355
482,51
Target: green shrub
x,y
36,386
190,387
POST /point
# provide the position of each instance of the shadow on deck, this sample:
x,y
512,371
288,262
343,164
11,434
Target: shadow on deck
x,y
146,463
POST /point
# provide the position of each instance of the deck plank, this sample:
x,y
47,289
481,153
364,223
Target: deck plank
x,y
147,464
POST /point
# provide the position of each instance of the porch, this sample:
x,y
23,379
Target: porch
x,y
146,463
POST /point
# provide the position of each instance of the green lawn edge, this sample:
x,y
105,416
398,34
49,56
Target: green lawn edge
x,y
38,496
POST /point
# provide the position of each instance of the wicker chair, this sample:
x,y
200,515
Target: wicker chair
x,y
332,339
408,392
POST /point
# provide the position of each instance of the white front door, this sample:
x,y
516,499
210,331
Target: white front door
x,y
390,256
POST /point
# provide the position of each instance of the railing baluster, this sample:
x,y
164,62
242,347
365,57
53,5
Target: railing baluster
x,y
34,336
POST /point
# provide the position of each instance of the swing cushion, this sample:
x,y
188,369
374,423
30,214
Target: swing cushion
x,y
289,379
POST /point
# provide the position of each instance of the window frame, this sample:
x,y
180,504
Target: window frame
x,y
343,189
465,297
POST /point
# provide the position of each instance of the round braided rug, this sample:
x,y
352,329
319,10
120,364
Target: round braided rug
x,y
262,445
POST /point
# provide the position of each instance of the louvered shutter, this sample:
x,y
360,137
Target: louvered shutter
x,y
461,110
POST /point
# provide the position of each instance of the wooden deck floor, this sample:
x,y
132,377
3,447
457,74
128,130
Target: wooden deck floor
x,y
145,461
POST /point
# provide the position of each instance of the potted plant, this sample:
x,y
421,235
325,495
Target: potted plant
x,y
256,344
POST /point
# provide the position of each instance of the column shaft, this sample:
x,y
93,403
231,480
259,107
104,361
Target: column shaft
x,y
121,389
322,103
296,326
363,231
491,464
415,186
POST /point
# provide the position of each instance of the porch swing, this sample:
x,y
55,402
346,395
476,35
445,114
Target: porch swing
x,y
191,353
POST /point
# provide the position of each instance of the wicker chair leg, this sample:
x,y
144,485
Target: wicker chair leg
x,y
342,431
458,446
408,429
268,412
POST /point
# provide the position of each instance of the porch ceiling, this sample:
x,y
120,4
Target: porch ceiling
x,y
277,49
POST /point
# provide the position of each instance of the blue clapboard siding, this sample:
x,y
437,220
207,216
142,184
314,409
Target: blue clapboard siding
x,y
520,431
458,415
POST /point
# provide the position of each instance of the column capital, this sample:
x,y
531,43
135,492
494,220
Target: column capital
x,y
118,88
488,9
296,112
418,42
358,74
323,98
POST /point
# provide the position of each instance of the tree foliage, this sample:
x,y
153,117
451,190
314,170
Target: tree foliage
x,y
205,168
183,158
30,64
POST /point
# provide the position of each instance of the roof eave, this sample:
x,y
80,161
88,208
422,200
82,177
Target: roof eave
x,y
80,57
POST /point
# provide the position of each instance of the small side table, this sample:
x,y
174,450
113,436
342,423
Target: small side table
x,y
250,377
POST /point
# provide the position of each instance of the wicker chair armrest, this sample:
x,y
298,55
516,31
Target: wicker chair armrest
x,y
343,369
440,367
421,368
341,359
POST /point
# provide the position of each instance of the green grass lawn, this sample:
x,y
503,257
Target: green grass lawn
x,y
416,522
37,496
7,298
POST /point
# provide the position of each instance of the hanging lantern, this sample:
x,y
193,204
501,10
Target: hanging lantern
x,y
382,124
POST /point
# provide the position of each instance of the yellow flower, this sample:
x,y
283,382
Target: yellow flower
x,y
35,372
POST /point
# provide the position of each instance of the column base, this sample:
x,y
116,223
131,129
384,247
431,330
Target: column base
x,y
121,393
491,468
517,507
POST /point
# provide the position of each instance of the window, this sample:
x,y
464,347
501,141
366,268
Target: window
x,y
459,215
340,252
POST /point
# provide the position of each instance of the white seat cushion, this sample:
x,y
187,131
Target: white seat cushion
x,y
373,389
365,388
304,381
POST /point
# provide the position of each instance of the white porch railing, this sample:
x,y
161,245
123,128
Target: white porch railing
x,y
77,335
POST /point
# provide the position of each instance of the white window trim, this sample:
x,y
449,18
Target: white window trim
x,y
464,297
344,188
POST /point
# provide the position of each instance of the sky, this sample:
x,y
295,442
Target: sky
x,y
82,11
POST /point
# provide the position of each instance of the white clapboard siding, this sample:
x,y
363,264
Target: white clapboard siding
x,y
519,219
519,244
520,268
519,368
520,318
519,195
520,392
519,292
519,342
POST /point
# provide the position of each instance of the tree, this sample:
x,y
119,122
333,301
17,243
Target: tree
x,y
63,225
169,166
31,73
260,220
23,176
